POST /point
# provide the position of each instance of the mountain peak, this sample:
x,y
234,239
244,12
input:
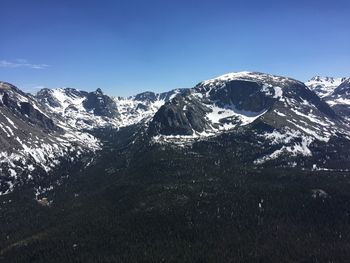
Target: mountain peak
x,y
99,92
324,86
248,76
5,86
327,79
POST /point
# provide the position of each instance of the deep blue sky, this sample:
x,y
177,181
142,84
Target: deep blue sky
x,y
125,47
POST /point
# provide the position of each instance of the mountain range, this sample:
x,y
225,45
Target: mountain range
x,y
286,119
66,149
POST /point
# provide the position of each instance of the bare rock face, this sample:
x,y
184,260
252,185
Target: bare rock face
x,y
100,104
25,107
180,117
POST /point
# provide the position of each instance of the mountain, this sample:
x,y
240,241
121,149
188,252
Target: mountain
x,y
239,99
335,91
245,167
79,109
32,141
41,133
324,86
142,107
88,110
290,124
282,115
340,99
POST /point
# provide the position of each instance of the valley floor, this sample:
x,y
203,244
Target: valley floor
x,y
180,209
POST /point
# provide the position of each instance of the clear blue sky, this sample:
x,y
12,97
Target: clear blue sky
x,y
125,47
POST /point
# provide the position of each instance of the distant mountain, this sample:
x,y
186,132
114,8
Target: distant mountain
x,y
88,110
335,91
79,109
324,86
142,107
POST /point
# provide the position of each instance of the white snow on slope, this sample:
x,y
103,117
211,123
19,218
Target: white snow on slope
x,y
67,101
268,88
237,117
324,86
27,151
133,111
342,101
44,154
228,77
70,107
285,139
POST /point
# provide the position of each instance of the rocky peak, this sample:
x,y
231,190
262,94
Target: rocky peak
x,y
324,86
100,104
146,96
343,88
5,86
99,92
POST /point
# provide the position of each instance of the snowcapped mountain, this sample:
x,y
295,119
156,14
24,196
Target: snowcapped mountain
x,y
238,99
293,117
32,142
279,120
88,110
324,86
79,109
335,91
142,107
38,132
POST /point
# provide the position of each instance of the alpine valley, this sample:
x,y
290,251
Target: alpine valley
x,y
245,167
